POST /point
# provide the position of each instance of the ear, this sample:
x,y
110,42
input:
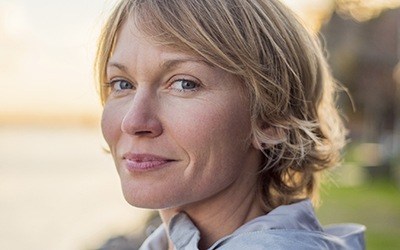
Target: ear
x,y
267,136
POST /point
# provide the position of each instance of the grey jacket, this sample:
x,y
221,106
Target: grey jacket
x,y
292,226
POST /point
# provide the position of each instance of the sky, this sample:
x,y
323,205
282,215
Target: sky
x,y
46,54
47,50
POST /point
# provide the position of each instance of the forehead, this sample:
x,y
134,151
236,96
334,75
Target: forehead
x,y
133,45
132,35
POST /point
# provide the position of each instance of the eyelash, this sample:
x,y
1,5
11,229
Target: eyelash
x,y
195,87
112,84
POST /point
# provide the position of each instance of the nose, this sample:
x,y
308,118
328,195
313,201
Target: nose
x,y
141,118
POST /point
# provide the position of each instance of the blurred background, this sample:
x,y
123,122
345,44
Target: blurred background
x,y
59,189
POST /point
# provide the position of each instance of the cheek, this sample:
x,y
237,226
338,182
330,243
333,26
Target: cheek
x,y
226,122
110,125
214,130
216,139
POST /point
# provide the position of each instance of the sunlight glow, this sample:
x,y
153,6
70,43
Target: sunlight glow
x,y
13,20
313,12
47,50
363,10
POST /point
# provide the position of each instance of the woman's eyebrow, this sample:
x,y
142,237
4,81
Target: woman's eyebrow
x,y
164,65
171,64
119,66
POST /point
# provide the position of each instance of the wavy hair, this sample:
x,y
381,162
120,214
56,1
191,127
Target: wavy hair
x,y
282,66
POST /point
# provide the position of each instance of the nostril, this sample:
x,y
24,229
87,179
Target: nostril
x,y
143,132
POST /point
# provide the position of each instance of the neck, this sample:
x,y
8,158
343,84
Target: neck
x,y
221,214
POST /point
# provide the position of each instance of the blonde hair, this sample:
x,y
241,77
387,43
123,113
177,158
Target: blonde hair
x,y
291,90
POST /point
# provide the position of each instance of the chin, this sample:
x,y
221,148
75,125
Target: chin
x,y
155,205
150,200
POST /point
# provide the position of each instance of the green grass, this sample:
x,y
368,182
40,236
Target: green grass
x,y
374,204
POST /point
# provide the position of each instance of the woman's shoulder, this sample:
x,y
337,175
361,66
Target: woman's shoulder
x,y
293,226
289,239
273,239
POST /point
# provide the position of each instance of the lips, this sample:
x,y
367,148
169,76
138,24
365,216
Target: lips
x,y
145,162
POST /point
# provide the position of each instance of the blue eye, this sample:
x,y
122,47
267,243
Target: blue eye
x,y
119,85
184,85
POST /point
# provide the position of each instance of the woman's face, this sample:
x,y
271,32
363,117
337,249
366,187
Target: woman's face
x,y
178,128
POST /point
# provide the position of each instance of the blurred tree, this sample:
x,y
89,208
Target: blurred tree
x,y
363,10
363,56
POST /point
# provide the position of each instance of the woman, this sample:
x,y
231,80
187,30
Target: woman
x,y
220,114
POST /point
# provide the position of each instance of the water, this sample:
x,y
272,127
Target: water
x,y
59,190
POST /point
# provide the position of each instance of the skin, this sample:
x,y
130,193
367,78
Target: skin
x,y
177,106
